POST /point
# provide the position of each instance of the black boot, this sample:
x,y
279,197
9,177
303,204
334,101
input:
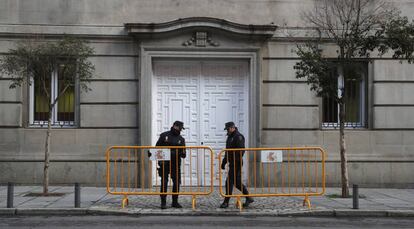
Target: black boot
x,y
225,204
175,203
249,200
163,202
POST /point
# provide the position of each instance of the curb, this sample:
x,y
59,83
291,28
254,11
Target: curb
x,y
107,212
7,211
144,212
401,213
359,213
315,213
50,211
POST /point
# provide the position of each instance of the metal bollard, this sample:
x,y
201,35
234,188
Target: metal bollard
x,y
355,197
77,195
10,194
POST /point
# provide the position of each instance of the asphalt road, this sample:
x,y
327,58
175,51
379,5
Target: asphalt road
x,y
200,222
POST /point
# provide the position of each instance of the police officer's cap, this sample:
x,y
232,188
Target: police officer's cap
x,y
228,125
179,124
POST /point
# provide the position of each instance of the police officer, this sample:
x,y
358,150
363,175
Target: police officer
x,y
235,140
171,138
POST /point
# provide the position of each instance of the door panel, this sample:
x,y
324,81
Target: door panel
x,y
177,89
224,92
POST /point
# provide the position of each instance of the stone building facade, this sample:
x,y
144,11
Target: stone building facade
x,y
199,61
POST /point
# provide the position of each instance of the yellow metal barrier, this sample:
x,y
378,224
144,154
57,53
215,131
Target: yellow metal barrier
x,y
271,172
129,170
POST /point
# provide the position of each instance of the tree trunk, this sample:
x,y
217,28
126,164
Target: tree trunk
x,y
342,146
344,162
47,153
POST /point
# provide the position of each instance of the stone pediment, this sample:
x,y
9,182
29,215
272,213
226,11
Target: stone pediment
x,y
142,29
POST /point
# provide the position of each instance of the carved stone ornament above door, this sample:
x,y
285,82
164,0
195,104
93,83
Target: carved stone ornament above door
x,y
201,39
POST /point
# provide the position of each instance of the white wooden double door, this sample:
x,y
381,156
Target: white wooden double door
x,y
204,94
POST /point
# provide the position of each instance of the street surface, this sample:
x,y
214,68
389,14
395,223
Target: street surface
x,y
201,222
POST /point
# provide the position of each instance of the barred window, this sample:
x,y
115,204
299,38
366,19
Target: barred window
x,y
355,77
63,113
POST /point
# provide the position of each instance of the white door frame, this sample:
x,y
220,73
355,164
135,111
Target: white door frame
x,y
148,54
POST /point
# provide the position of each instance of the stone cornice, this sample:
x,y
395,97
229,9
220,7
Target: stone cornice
x,y
200,22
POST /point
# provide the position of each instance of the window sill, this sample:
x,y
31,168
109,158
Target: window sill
x,y
54,126
348,126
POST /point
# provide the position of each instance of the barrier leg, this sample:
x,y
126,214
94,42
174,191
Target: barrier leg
x,y
194,202
239,203
125,201
306,202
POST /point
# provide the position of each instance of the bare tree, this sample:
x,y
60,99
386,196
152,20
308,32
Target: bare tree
x,y
36,60
358,28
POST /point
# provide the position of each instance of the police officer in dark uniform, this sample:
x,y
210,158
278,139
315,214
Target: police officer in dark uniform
x,y
171,138
235,140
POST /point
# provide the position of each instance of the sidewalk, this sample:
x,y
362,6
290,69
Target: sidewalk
x,y
377,202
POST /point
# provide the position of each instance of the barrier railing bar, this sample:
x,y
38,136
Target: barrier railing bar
x,y
177,157
316,172
309,174
288,171
122,171
156,172
296,172
241,168
248,173
283,174
204,170
268,177
254,170
303,172
190,171
142,163
115,171
323,170
275,176
129,170
135,170
183,169
198,174
262,175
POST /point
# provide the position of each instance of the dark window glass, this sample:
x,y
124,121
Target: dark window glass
x,y
354,96
330,110
66,103
41,103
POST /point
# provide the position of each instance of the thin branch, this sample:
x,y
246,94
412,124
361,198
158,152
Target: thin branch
x,y
60,94
43,80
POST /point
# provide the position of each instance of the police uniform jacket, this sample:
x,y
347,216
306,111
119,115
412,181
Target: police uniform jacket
x,y
234,141
173,138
